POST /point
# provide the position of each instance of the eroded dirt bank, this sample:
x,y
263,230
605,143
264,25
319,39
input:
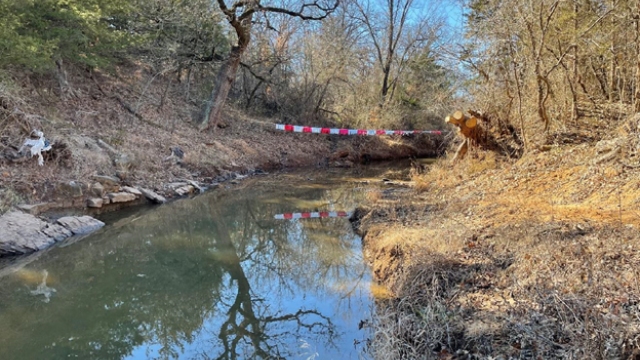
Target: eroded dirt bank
x,y
142,138
536,258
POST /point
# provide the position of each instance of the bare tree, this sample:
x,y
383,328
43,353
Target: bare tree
x,y
396,37
240,15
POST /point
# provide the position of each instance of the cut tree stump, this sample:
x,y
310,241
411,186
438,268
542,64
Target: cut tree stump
x,y
487,133
470,130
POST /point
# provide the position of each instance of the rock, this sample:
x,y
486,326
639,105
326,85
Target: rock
x,y
70,189
176,156
131,190
97,190
122,174
35,209
176,185
22,233
121,197
196,186
95,203
124,164
57,232
152,196
107,147
107,181
80,224
106,200
91,145
185,190
177,152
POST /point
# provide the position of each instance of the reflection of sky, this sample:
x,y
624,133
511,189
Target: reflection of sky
x,y
160,276
340,293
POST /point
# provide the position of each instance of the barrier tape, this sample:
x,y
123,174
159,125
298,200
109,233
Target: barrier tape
x,y
313,215
316,130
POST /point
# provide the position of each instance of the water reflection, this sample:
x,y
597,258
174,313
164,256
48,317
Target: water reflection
x,y
216,277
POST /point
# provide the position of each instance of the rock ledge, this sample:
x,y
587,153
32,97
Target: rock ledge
x,y
22,233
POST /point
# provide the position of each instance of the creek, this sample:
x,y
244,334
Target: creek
x,y
217,276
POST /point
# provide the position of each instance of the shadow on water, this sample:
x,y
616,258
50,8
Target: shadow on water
x,y
215,277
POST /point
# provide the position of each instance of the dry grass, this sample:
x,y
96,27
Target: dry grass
x,y
536,258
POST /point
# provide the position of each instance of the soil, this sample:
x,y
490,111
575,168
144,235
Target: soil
x,y
114,125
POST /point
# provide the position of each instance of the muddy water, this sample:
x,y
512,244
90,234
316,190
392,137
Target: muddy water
x,y
214,277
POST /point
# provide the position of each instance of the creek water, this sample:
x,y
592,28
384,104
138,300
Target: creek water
x,y
213,277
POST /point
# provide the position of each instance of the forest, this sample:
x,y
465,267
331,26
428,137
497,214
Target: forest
x,y
355,63
519,241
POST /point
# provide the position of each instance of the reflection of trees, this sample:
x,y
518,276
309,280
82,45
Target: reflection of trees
x,y
244,323
159,277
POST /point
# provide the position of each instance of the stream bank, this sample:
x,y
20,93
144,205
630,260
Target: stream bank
x,y
94,134
111,190
105,158
531,258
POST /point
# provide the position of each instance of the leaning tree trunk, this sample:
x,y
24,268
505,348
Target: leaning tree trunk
x,y
636,97
223,83
227,73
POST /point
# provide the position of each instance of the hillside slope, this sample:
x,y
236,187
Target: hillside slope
x,y
115,125
535,258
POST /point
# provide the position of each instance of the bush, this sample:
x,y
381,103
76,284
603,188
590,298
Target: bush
x,y
35,33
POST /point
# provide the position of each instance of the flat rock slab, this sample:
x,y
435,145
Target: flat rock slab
x,y
175,185
152,196
132,190
121,197
95,203
185,190
109,183
107,180
80,224
22,233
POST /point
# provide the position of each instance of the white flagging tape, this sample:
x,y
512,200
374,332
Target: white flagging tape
x,y
313,215
317,130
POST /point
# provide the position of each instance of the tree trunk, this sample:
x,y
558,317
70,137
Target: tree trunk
x,y
612,64
223,83
574,81
227,73
385,83
636,99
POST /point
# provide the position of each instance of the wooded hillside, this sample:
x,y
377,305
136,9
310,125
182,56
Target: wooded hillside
x,y
350,63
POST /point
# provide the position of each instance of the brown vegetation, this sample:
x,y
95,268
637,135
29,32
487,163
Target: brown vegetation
x,y
529,248
534,258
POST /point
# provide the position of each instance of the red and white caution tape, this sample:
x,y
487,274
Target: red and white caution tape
x,y
313,215
317,130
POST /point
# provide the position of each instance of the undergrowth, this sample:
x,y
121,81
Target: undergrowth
x,y
531,258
